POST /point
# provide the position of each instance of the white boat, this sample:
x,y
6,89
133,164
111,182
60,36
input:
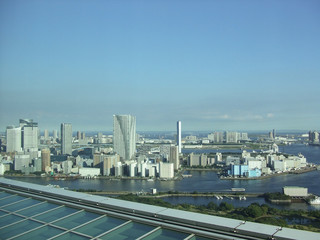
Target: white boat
x,y
242,198
315,201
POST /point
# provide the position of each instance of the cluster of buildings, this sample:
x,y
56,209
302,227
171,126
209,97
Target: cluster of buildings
x,y
26,154
264,164
116,155
218,137
250,164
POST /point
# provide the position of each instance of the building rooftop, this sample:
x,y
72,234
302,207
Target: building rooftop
x,y
31,211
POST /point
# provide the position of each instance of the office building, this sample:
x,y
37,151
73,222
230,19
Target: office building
x,y
124,136
105,162
66,138
13,135
109,163
20,161
78,135
166,170
46,161
313,137
197,160
46,134
164,150
37,164
179,136
216,137
29,134
218,157
55,134
174,157
232,137
67,166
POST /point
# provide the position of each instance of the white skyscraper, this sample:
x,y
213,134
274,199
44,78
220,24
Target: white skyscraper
x,y
66,138
46,134
55,134
179,135
13,135
29,134
124,136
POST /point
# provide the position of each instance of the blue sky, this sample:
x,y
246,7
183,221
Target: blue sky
x,y
214,65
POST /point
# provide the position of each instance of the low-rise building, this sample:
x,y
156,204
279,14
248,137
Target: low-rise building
x,y
294,191
89,172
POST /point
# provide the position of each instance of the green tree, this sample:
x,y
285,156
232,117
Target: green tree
x,y
224,206
212,206
254,211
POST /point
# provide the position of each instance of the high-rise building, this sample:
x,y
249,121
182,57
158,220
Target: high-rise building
x,y
313,136
66,138
55,134
174,157
83,135
232,137
29,134
78,135
46,134
13,135
197,159
124,136
109,163
166,170
274,133
179,135
45,157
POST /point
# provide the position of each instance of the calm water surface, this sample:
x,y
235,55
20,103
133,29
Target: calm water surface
x,y
207,181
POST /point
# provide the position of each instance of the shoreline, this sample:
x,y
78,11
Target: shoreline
x,y
178,177
309,169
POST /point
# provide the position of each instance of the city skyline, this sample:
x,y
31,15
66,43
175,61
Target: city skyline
x,y
215,65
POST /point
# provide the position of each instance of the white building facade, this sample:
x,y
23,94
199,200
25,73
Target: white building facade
x,y
66,138
179,136
13,136
124,136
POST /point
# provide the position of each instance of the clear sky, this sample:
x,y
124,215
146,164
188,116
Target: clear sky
x,y
213,64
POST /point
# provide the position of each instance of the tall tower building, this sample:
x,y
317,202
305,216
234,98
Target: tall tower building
x,y
46,134
274,133
179,135
124,136
78,135
13,136
66,138
45,157
55,134
174,157
29,134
